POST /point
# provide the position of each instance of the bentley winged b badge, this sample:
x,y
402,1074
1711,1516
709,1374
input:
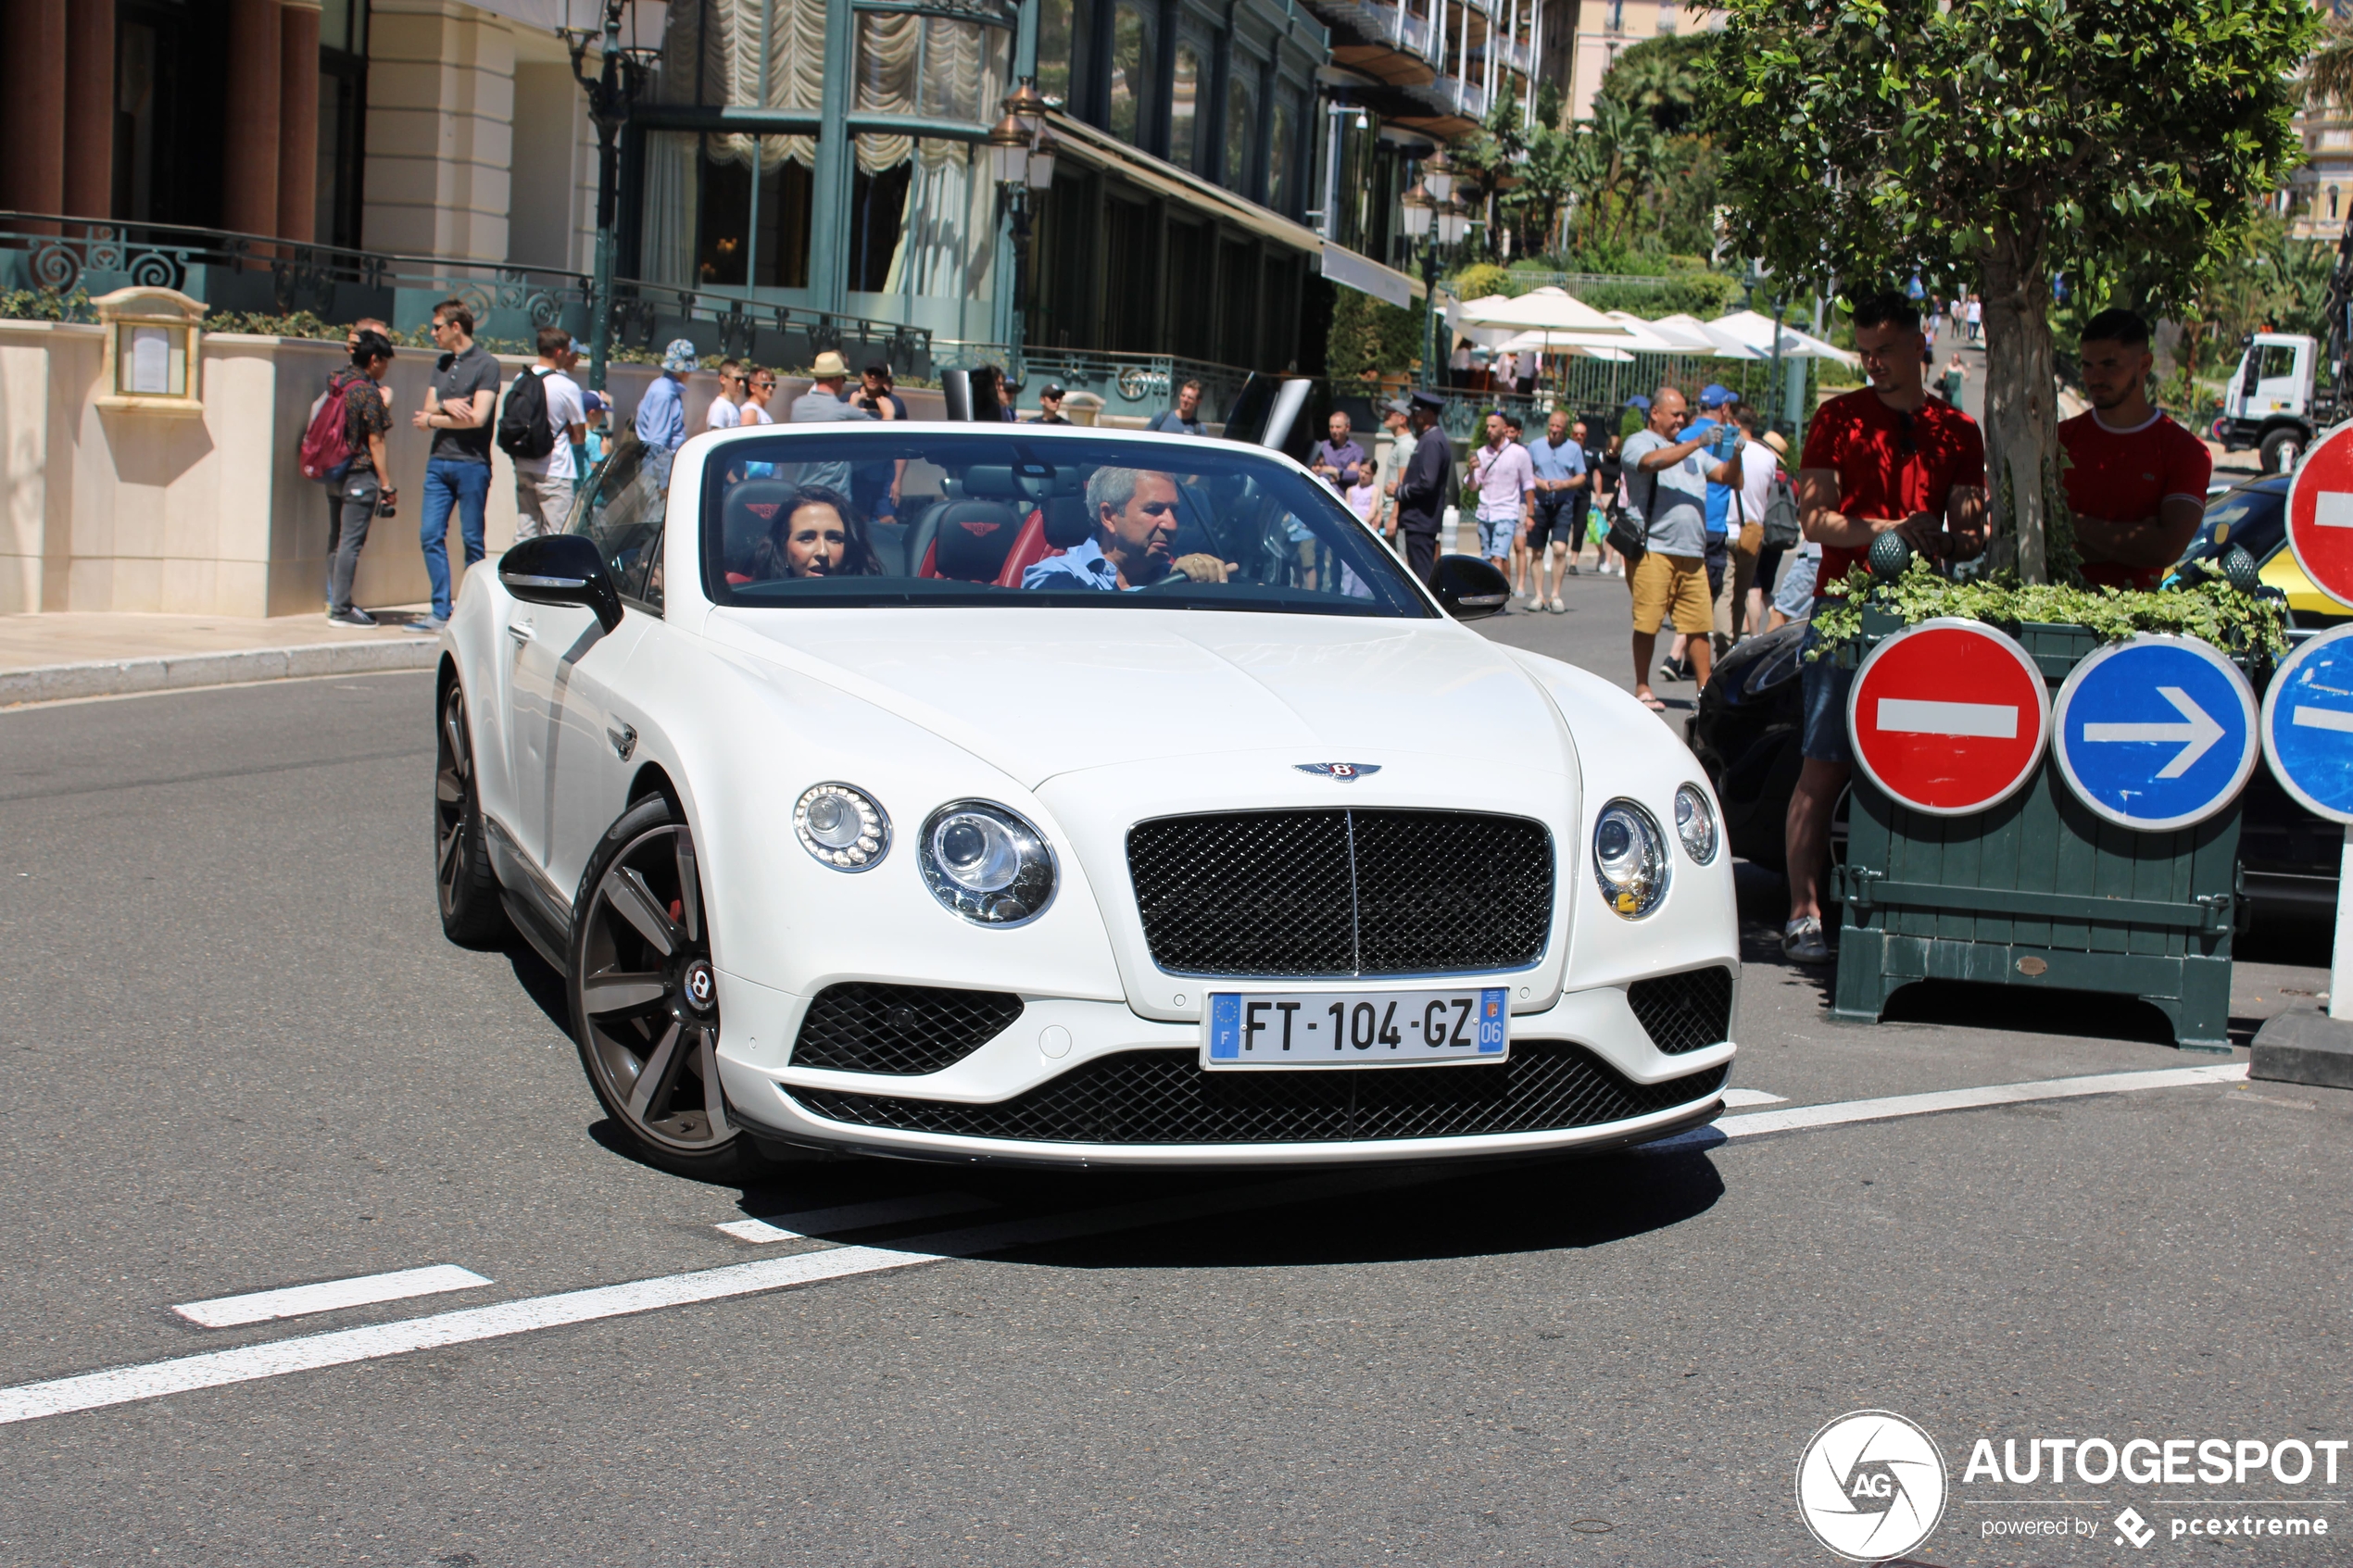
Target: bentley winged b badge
x,y
1343,772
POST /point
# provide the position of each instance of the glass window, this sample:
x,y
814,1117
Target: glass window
x,y
1054,19
1184,99
1241,123
1283,156
1073,521
1132,58
909,64
726,253
620,511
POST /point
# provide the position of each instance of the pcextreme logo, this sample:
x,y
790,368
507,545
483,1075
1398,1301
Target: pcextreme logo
x,y
1870,1486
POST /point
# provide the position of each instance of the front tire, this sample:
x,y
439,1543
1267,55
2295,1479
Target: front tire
x,y
645,1002
464,885
2279,451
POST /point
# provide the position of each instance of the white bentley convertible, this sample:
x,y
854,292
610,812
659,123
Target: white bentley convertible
x,y
992,792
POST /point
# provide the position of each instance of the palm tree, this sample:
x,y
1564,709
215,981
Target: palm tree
x,y
2328,69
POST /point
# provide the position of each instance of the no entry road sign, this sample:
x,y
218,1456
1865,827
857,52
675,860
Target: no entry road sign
x,y
2154,733
1948,717
2308,725
2320,514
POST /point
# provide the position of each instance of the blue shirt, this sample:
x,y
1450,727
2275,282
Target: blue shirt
x,y
1720,496
1347,457
662,415
1170,422
1082,566
1564,461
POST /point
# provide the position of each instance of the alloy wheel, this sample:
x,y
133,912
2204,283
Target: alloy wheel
x,y
648,998
453,802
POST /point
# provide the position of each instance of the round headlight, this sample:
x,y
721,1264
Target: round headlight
x,y
987,863
1695,824
1630,858
842,826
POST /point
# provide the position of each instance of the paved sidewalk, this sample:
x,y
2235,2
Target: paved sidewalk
x,y
55,657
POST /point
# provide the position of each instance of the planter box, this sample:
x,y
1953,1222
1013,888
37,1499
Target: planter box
x,y
2038,891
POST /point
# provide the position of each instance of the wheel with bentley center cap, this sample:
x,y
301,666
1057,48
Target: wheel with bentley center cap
x,y
645,999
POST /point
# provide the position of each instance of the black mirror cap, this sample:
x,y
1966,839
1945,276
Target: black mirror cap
x,y
1471,588
561,569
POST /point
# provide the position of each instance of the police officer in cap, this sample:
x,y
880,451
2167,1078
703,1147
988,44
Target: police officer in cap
x,y
1425,485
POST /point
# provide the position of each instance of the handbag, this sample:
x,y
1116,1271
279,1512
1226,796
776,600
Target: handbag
x,y
1628,538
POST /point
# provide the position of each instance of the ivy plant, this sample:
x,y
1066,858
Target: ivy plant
x,y
2235,622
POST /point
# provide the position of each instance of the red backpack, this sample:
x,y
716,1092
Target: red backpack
x,y
326,443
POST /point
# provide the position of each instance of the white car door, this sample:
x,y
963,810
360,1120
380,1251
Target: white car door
x,y
566,753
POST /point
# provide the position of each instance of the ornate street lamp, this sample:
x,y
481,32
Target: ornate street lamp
x,y
631,40
1438,175
1021,156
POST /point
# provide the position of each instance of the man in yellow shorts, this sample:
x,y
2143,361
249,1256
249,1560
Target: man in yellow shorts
x,y
1667,486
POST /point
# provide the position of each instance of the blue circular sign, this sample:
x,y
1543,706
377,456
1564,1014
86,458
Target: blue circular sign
x,y
2308,725
2154,733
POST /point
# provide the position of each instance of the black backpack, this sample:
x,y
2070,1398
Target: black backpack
x,y
523,430
1780,514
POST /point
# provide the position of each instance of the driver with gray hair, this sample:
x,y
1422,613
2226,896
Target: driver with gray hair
x,y
1137,516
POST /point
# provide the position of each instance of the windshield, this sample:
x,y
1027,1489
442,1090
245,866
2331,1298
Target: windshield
x,y
2254,517
958,517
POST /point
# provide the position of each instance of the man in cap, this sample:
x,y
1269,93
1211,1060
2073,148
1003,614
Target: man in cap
x,y
1424,486
661,413
1050,405
822,404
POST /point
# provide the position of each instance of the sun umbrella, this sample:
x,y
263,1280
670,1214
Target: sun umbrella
x,y
1756,332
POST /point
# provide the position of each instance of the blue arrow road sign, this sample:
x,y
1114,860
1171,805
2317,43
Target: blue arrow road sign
x,y
2308,724
2154,733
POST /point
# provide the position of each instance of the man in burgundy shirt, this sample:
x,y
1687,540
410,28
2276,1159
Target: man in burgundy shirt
x,y
2135,480
1887,459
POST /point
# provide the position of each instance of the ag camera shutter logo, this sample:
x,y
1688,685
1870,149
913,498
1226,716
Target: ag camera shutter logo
x,y
1870,1486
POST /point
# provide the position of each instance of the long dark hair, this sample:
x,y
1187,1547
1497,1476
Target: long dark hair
x,y
770,559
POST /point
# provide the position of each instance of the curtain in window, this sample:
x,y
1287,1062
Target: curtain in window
x,y
1241,123
1131,74
947,238
711,56
1184,103
666,250
909,64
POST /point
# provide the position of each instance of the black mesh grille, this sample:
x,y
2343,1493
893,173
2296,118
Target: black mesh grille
x,y
1342,892
861,1027
1683,1012
1164,1096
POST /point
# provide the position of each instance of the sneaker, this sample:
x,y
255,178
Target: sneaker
x,y
431,626
1573,571
351,618
1560,605
1802,941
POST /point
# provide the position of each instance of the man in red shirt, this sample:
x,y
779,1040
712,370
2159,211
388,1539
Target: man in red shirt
x,y
2135,480
1888,459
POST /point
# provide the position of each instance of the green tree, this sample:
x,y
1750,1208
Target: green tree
x,y
2005,140
1663,78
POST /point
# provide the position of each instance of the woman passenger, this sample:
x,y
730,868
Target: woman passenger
x,y
818,534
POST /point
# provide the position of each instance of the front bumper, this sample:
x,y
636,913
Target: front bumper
x,y
1587,1050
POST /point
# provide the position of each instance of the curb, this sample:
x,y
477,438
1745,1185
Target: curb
x,y
58,682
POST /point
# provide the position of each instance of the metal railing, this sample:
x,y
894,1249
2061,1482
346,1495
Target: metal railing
x,y
254,274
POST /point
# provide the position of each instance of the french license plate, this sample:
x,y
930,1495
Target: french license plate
x,y
1286,1029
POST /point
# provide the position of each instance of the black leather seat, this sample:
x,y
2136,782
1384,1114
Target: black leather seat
x,y
971,539
750,510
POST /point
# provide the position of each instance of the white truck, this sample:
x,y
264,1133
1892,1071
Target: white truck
x,y
2271,403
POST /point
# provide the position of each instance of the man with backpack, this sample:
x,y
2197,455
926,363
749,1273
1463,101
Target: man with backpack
x,y
325,454
359,493
544,415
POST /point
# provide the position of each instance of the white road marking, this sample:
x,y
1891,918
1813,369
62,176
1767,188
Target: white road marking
x,y
815,1222
228,1311
1803,1117
1753,1096
2309,718
2196,736
1913,716
2333,508
180,1375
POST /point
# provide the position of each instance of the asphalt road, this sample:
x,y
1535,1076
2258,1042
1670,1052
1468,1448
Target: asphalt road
x,y
241,1056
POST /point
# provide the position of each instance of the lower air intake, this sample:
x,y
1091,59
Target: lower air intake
x,y
1166,1098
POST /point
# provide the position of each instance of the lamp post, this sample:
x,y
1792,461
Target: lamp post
x,y
1415,211
623,71
1021,154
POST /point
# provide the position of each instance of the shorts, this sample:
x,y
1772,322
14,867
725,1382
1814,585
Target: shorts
x,y
1678,583
1495,536
1794,598
1715,558
1556,523
1823,738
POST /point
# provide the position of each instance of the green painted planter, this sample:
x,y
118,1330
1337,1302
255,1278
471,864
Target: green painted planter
x,y
2037,892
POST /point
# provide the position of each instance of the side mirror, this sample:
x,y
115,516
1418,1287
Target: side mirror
x,y
1471,588
561,568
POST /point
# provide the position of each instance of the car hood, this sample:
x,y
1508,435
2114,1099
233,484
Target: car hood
x,y
1044,692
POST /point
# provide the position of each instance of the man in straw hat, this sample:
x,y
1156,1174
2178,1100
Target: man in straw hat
x,y
822,403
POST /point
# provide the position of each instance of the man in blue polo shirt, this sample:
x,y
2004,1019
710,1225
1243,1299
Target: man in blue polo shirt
x,y
1712,401
1557,526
